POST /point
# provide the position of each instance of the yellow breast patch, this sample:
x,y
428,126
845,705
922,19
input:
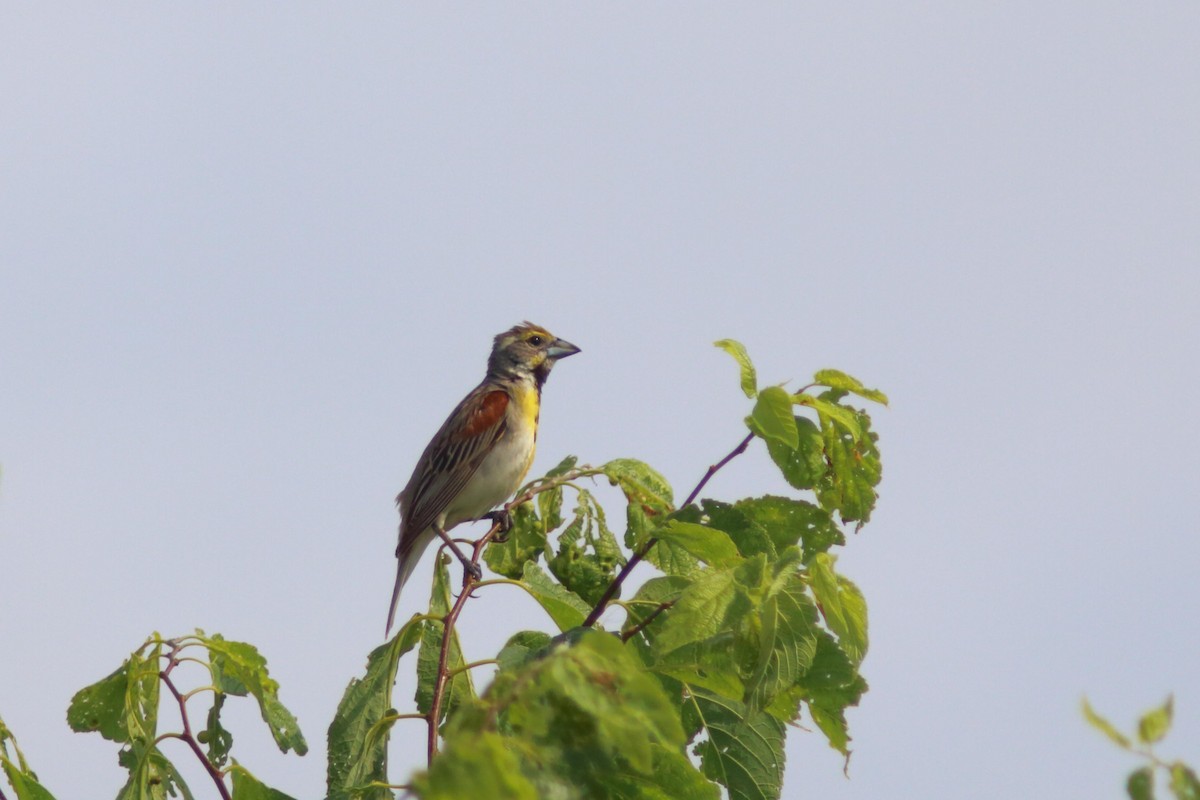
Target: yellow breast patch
x,y
529,405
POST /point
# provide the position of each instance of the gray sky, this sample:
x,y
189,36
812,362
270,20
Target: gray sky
x,y
253,256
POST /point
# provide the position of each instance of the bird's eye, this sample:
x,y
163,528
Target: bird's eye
x,y
536,340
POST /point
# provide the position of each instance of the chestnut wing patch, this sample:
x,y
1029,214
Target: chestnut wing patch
x,y
452,461
489,412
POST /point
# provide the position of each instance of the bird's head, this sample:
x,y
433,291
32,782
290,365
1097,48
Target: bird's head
x,y
527,350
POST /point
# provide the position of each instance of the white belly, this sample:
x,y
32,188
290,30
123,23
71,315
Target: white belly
x,y
497,478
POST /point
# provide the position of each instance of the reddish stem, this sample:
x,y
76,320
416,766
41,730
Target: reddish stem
x,y
448,622
187,736
451,619
615,586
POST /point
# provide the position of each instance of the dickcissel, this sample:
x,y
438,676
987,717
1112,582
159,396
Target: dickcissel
x,y
483,450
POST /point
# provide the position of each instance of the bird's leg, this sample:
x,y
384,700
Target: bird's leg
x,y
468,565
503,518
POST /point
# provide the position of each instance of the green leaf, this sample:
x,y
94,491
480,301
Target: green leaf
x,y
744,749
787,522
738,351
843,606
151,776
672,559
472,767
772,418
101,706
218,739
248,787
588,554
804,465
641,483
243,663
670,777
1104,726
9,739
122,707
1184,783
840,380
25,784
827,407
830,685
565,607
849,485
563,467
786,633
1140,784
695,641
580,710
1153,725
460,687
549,504
746,632
710,545
525,542
667,556
750,538
358,735
23,780
521,647
650,595
604,678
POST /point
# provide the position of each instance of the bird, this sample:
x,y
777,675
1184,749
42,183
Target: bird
x,y
482,452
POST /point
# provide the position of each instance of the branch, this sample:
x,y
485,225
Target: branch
x,y
187,736
617,582
469,584
443,674
544,484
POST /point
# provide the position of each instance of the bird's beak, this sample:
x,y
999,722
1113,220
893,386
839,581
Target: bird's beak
x,y
561,348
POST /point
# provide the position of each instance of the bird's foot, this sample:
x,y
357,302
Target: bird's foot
x,y
470,565
501,518
472,574
472,568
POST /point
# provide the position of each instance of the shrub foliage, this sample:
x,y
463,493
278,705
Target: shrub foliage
x,y
744,627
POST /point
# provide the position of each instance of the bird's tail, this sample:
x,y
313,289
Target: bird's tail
x,y
405,564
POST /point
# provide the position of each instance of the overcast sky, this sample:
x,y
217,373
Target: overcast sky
x,y
252,255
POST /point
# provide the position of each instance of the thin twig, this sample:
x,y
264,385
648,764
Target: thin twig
x,y
200,689
187,736
636,629
734,453
617,582
399,717
483,662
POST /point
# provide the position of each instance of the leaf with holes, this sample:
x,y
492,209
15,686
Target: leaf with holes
x,y
840,380
358,735
243,663
525,542
744,748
